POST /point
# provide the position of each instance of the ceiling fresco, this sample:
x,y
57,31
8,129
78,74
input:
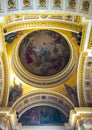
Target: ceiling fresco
x,y
44,52
43,115
40,46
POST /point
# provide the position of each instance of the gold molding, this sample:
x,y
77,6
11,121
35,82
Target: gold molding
x,y
86,5
5,68
6,80
84,29
26,2
43,24
11,3
72,3
90,40
57,3
80,79
42,92
42,2
25,17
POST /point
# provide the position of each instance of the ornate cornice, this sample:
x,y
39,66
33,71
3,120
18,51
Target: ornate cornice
x,y
82,8
56,24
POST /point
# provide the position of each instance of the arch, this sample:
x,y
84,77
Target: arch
x,y
39,98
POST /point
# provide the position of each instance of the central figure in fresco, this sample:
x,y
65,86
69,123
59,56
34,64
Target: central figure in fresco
x,y
43,116
44,52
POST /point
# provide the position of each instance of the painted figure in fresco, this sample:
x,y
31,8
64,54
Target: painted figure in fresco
x,y
45,117
44,56
28,53
15,92
43,53
10,38
34,117
71,93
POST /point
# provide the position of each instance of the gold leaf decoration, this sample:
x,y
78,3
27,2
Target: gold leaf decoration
x,y
11,3
57,3
85,5
26,2
42,2
72,3
69,17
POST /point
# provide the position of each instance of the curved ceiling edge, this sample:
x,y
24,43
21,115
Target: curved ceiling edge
x,y
4,81
41,23
43,98
84,79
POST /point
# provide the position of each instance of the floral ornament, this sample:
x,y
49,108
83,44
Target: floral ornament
x,y
72,3
57,3
42,2
11,3
26,2
89,63
88,83
85,5
69,17
17,16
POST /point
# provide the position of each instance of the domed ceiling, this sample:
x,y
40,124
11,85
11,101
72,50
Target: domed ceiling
x,y
44,52
44,58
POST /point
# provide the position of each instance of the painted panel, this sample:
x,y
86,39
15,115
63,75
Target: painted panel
x,y
43,115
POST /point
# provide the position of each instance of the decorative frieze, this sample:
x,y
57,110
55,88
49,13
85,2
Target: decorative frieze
x,y
82,7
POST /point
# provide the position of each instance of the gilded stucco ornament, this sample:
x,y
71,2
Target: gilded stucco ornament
x,y
90,40
26,2
85,5
43,23
89,63
11,3
42,2
80,79
57,3
69,17
72,3
84,29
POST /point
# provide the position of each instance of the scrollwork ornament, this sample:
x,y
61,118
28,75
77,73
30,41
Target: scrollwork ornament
x,y
85,5
26,2
42,2
11,3
57,3
72,3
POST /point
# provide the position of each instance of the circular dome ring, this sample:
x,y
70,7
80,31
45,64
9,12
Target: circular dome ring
x,y
46,79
